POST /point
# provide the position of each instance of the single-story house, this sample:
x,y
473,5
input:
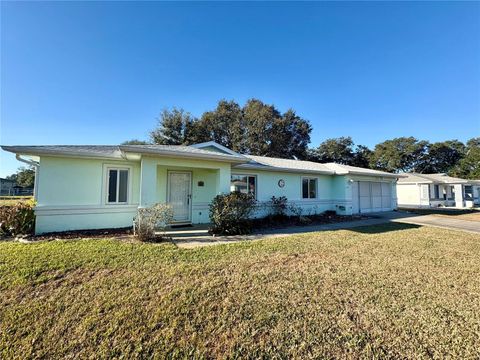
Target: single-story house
x,y
88,187
435,190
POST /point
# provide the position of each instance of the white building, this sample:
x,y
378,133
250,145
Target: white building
x,y
437,190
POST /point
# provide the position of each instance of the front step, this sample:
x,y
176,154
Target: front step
x,y
197,231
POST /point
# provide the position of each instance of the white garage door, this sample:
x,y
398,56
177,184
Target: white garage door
x,y
372,196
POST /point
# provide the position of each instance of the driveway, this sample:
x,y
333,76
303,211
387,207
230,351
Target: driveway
x,y
446,222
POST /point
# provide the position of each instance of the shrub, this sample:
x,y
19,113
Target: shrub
x,y
279,206
295,210
230,213
17,219
150,219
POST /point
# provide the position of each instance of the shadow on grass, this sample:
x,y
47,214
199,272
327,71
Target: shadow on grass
x,y
383,228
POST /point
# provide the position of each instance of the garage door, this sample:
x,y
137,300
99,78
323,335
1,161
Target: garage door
x,y
371,196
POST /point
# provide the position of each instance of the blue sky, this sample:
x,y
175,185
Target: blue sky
x,y
99,73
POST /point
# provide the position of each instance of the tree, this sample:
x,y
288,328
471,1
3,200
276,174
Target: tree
x,y
398,155
224,125
259,118
469,166
135,142
337,150
290,136
441,157
24,177
257,129
174,128
361,157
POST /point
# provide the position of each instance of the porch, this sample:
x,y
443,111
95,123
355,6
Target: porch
x,y
188,188
450,195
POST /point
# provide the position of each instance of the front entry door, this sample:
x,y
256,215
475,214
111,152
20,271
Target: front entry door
x,y
179,195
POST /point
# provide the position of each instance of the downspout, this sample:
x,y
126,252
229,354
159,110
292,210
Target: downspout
x,y
36,165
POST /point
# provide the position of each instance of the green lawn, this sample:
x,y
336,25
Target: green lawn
x,y
393,291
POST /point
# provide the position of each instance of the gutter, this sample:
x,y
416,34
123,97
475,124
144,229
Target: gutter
x,y
36,165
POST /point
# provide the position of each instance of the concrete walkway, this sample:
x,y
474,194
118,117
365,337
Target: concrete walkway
x,y
199,236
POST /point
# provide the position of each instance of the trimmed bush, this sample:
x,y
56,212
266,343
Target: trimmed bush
x,y
17,219
230,213
151,219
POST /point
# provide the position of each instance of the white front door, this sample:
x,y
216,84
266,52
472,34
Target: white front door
x,y
179,195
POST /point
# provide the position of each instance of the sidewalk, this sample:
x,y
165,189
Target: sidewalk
x,y
197,237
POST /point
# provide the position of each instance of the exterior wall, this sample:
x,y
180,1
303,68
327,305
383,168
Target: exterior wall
x,y
476,195
267,186
201,195
71,195
408,194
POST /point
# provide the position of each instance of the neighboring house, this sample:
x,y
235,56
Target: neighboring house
x,y
434,190
7,187
88,187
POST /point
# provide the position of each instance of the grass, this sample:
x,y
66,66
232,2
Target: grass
x,y
12,200
393,291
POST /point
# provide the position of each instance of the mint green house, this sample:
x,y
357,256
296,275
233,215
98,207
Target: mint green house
x,y
94,187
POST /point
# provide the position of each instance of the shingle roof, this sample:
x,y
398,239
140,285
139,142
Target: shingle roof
x,y
179,149
244,161
268,163
347,169
262,162
435,178
116,151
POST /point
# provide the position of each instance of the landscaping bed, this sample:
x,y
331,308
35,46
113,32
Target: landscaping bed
x,y
328,217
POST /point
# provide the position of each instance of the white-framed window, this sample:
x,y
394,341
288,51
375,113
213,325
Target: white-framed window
x,y
117,185
309,188
246,184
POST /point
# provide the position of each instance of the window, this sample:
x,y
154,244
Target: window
x,y
246,184
436,191
309,188
117,186
468,192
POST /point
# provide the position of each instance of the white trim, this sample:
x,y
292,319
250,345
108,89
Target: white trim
x,y
252,175
217,145
48,210
189,220
316,188
105,168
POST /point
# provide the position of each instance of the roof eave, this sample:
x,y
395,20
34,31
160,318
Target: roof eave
x,y
39,152
396,176
178,154
280,169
